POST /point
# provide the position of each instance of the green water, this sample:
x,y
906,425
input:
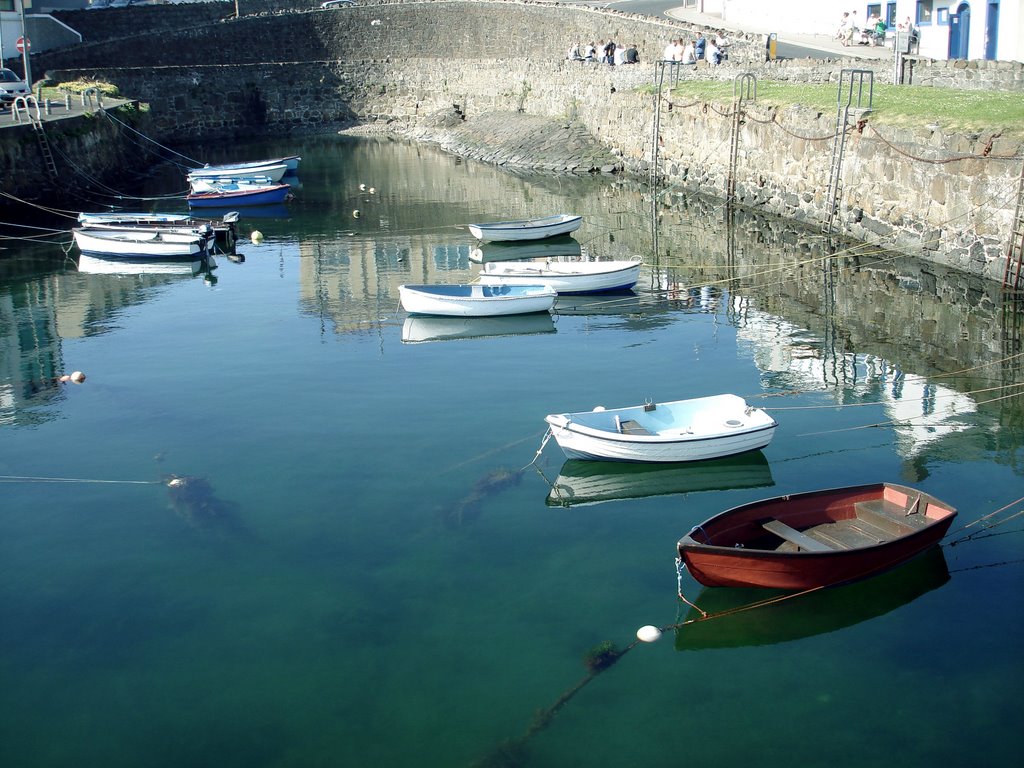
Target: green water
x,y
364,576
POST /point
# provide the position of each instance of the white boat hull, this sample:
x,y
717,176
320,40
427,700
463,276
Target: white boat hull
x,y
685,430
565,276
476,300
526,229
154,244
273,172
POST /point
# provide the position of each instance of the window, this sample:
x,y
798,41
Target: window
x,y
924,11
942,16
6,5
874,9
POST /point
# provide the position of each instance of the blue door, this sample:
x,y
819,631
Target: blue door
x,y
959,30
991,29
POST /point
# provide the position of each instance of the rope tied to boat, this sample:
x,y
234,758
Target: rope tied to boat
x,y
987,523
543,443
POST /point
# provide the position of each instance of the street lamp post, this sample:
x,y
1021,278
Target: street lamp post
x,y
25,44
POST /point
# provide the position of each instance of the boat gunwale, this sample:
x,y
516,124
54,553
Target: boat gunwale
x,y
654,439
556,220
635,264
543,293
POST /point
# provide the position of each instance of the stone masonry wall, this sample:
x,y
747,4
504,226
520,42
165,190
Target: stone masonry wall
x,y
403,65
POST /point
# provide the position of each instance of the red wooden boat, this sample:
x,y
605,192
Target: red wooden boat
x,y
815,539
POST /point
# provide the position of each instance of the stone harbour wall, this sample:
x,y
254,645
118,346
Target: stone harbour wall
x,y
443,71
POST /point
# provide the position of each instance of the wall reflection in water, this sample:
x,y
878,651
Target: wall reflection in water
x,y
854,323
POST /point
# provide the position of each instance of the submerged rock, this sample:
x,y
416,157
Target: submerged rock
x,y
193,499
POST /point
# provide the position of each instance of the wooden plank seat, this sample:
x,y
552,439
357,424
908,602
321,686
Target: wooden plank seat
x,y
630,427
891,518
802,540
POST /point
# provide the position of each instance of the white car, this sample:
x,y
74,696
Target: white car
x,y
11,86
338,4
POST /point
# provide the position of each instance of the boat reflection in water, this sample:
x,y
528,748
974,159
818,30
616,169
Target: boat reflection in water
x,y
620,303
593,482
94,265
818,613
270,211
418,328
564,247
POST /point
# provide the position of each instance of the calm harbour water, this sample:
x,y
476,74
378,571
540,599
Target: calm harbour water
x,y
359,573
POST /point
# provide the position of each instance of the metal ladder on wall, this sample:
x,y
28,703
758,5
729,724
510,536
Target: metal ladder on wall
x,y
744,91
1013,275
659,82
44,147
851,81
26,104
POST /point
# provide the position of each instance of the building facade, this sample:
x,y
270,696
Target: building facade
x,y
947,29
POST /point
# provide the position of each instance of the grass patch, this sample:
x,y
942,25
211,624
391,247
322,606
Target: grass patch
x,y
77,87
907,106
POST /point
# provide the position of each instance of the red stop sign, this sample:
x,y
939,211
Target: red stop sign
x,y
23,44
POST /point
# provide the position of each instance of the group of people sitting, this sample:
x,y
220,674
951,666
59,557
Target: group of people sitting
x,y
708,46
605,52
872,33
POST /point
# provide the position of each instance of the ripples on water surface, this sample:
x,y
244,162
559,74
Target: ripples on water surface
x,y
359,573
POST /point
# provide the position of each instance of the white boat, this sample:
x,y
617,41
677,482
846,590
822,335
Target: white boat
x,y
563,246
418,329
683,430
141,243
564,276
527,229
474,300
274,171
226,183
135,217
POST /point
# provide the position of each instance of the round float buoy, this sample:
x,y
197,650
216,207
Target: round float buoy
x,y
362,187
257,237
373,191
77,377
598,408
355,214
648,633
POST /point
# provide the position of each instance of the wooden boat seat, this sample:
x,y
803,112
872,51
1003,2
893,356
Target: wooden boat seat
x,y
630,427
802,540
890,517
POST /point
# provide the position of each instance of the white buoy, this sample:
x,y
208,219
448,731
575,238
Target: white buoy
x,y
598,408
373,191
355,214
648,633
257,237
362,187
77,377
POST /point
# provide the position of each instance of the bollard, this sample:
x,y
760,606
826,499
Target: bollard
x,y
770,43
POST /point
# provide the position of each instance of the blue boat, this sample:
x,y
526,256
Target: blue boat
x,y
227,196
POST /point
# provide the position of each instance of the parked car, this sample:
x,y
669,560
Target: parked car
x,y
338,4
11,86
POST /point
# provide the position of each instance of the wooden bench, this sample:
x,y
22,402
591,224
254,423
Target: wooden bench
x,y
891,518
802,540
630,427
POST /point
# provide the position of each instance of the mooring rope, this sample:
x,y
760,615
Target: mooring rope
x,y
33,479
147,138
999,388
988,526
